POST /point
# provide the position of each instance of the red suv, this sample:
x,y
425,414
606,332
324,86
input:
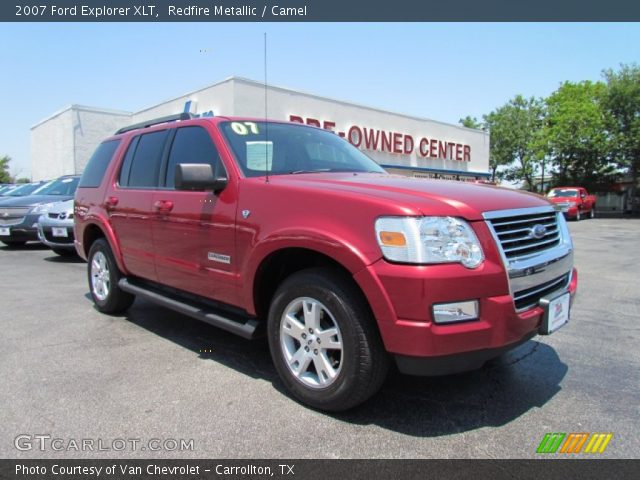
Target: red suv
x,y
259,226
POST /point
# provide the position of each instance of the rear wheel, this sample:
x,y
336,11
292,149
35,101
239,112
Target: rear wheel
x,y
103,279
324,342
13,243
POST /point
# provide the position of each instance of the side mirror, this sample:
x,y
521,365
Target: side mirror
x,y
198,177
583,195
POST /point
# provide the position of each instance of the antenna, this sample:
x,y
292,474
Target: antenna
x,y
266,124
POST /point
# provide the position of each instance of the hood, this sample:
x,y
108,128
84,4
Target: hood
x,y
427,197
66,206
33,200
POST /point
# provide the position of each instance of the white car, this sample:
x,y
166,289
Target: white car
x,y
55,228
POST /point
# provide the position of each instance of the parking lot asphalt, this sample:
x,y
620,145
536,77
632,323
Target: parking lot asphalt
x,y
72,373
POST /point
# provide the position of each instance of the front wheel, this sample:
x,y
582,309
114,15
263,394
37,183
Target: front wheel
x,y
103,279
592,213
578,216
324,341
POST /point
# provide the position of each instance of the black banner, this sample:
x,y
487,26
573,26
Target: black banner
x,y
317,10
317,469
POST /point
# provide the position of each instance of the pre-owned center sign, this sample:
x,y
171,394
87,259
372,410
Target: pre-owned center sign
x,y
395,142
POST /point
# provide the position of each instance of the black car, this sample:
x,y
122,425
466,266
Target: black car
x,y
19,214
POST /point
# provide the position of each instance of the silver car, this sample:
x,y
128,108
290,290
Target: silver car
x,y
55,228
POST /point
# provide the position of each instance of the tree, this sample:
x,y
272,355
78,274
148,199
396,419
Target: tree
x,y
622,102
22,180
513,130
471,122
5,176
575,136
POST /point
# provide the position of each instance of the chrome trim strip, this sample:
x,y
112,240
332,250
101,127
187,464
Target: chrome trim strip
x,y
531,245
536,268
515,212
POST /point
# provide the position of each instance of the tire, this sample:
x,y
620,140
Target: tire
x,y
592,213
64,252
330,379
13,243
578,216
103,275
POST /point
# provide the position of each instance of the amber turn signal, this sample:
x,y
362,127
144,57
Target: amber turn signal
x,y
392,239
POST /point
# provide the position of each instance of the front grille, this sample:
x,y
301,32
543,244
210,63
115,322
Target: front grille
x,y
14,211
530,297
54,215
12,215
8,221
515,234
50,238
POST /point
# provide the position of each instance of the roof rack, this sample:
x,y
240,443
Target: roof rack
x,y
156,121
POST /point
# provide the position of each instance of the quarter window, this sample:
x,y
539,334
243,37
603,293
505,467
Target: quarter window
x,y
145,164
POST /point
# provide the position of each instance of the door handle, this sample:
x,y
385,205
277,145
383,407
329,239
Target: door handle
x,y
163,206
110,203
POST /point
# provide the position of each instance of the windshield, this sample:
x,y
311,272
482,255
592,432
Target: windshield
x,y
62,186
24,190
290,148
562,193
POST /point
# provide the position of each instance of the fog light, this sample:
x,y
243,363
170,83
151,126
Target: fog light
x,y
455,312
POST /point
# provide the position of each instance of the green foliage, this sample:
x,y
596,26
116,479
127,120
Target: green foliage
x,y
5,176
575,135
587,133
23,180
513,128
622,103
471,122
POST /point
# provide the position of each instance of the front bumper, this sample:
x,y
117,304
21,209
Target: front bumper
x,y
46,235
508,293
421,346
24,230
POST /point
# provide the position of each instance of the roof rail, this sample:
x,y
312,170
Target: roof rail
x,y
156,121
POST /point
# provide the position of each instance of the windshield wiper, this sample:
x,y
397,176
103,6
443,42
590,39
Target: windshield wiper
x,y
295,172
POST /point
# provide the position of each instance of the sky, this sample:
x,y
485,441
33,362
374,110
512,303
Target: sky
x,y
442,71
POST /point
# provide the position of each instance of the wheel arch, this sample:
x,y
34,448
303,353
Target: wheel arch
x,y
284,262
95,230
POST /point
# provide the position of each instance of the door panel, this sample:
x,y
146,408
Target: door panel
x,y
193,232
194,243
131,219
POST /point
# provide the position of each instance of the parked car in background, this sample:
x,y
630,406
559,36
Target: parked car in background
x,y
574,202
19,214
55,228
6,187
21,190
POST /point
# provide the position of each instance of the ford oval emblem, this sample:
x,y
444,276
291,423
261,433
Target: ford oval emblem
x,y
538,231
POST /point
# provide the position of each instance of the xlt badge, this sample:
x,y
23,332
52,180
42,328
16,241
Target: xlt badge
x,y
218,257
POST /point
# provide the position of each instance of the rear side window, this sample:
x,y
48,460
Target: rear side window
x,y
142,161
98,163
191,145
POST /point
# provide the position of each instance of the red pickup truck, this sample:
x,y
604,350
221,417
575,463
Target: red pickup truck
x,y
574,202
264,227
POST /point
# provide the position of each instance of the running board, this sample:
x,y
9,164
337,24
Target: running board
x,y
242,326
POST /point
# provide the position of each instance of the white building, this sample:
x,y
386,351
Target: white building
x,y
63,143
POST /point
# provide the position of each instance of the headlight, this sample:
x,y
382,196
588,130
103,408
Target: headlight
x,y
424,240
42,208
